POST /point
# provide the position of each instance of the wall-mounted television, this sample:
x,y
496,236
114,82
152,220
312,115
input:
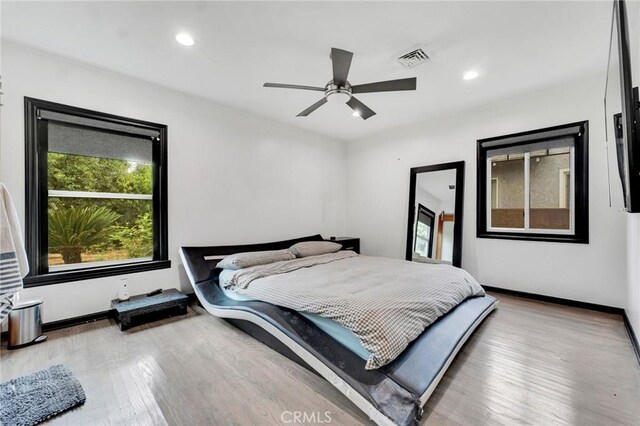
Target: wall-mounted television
x,y
622,116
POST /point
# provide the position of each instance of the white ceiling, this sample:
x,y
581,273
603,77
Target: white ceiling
x,y
516,47
437,185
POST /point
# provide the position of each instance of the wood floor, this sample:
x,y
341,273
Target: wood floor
x,y
529,363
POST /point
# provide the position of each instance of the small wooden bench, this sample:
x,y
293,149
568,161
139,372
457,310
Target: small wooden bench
x,y
142,308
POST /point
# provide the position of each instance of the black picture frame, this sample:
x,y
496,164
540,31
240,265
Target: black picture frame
x,y
458,166
580,132
36,196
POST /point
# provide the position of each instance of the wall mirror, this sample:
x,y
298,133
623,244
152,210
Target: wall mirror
x,y
434,225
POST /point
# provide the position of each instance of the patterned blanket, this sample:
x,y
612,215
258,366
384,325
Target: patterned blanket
x,y
386,303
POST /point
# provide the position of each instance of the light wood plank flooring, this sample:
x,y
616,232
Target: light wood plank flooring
x,y
529,363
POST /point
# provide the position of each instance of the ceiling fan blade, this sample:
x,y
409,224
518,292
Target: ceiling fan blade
x,y
312,108
360,108
293,86
341,63
386,86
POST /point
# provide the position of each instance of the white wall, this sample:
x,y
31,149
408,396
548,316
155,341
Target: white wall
x,y
633,272
591,273
427,199
233,177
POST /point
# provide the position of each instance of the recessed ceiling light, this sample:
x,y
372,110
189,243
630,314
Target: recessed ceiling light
x,y
470,75
185,39
356,113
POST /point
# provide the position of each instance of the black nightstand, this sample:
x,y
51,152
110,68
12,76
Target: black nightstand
x,y
139,308
348,243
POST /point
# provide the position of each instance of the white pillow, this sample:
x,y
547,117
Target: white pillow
x,y
254,258
314,248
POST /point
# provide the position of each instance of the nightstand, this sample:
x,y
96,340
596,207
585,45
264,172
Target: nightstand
x,y
348,243
131,312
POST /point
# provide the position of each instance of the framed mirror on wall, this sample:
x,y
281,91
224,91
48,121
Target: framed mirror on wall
x,y
434,221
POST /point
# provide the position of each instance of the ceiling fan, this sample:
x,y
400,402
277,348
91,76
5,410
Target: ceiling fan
x,y
339,90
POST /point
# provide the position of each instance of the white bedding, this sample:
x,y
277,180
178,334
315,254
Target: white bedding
x,y
386,303
336,330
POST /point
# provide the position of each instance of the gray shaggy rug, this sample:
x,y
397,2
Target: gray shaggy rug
x,y
32,399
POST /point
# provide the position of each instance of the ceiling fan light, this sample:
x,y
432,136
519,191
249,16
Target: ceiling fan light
x,y
470,75
338,97
185,39
356,113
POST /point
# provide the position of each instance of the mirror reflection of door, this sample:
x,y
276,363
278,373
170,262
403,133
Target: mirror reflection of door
x,y
423,241
433,234
444,243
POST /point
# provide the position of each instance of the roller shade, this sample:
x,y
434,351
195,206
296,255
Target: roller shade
x,y
539,136
98,124
425,218
67,138
563,142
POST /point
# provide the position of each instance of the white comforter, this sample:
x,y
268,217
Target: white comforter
x,y
386,303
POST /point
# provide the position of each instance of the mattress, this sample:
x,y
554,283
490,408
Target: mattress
x,y
337,331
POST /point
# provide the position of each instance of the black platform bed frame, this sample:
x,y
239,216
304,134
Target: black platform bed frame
x,y
393,394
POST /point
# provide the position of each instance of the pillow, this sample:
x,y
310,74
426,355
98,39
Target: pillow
x,y
254,258
314,248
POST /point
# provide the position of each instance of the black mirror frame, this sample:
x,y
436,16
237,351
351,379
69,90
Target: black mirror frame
x,y
458,166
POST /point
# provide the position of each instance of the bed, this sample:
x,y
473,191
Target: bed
x,y
392,394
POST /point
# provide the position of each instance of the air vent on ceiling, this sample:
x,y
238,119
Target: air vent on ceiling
x,y
413,59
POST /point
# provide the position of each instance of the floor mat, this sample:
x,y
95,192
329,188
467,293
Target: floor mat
x,y
31,399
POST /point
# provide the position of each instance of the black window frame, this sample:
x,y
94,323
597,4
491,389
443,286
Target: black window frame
x,y
430,213
581,182
36,197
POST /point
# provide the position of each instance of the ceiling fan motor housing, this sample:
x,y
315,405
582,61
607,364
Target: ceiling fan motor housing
x,y
337,94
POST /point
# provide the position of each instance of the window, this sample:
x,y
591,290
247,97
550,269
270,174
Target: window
x,y
534,185
96,194
424,231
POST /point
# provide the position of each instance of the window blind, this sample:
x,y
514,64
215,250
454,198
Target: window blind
x,y
66,138
98,124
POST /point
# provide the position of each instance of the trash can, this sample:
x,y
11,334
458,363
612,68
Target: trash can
x,y
25,324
